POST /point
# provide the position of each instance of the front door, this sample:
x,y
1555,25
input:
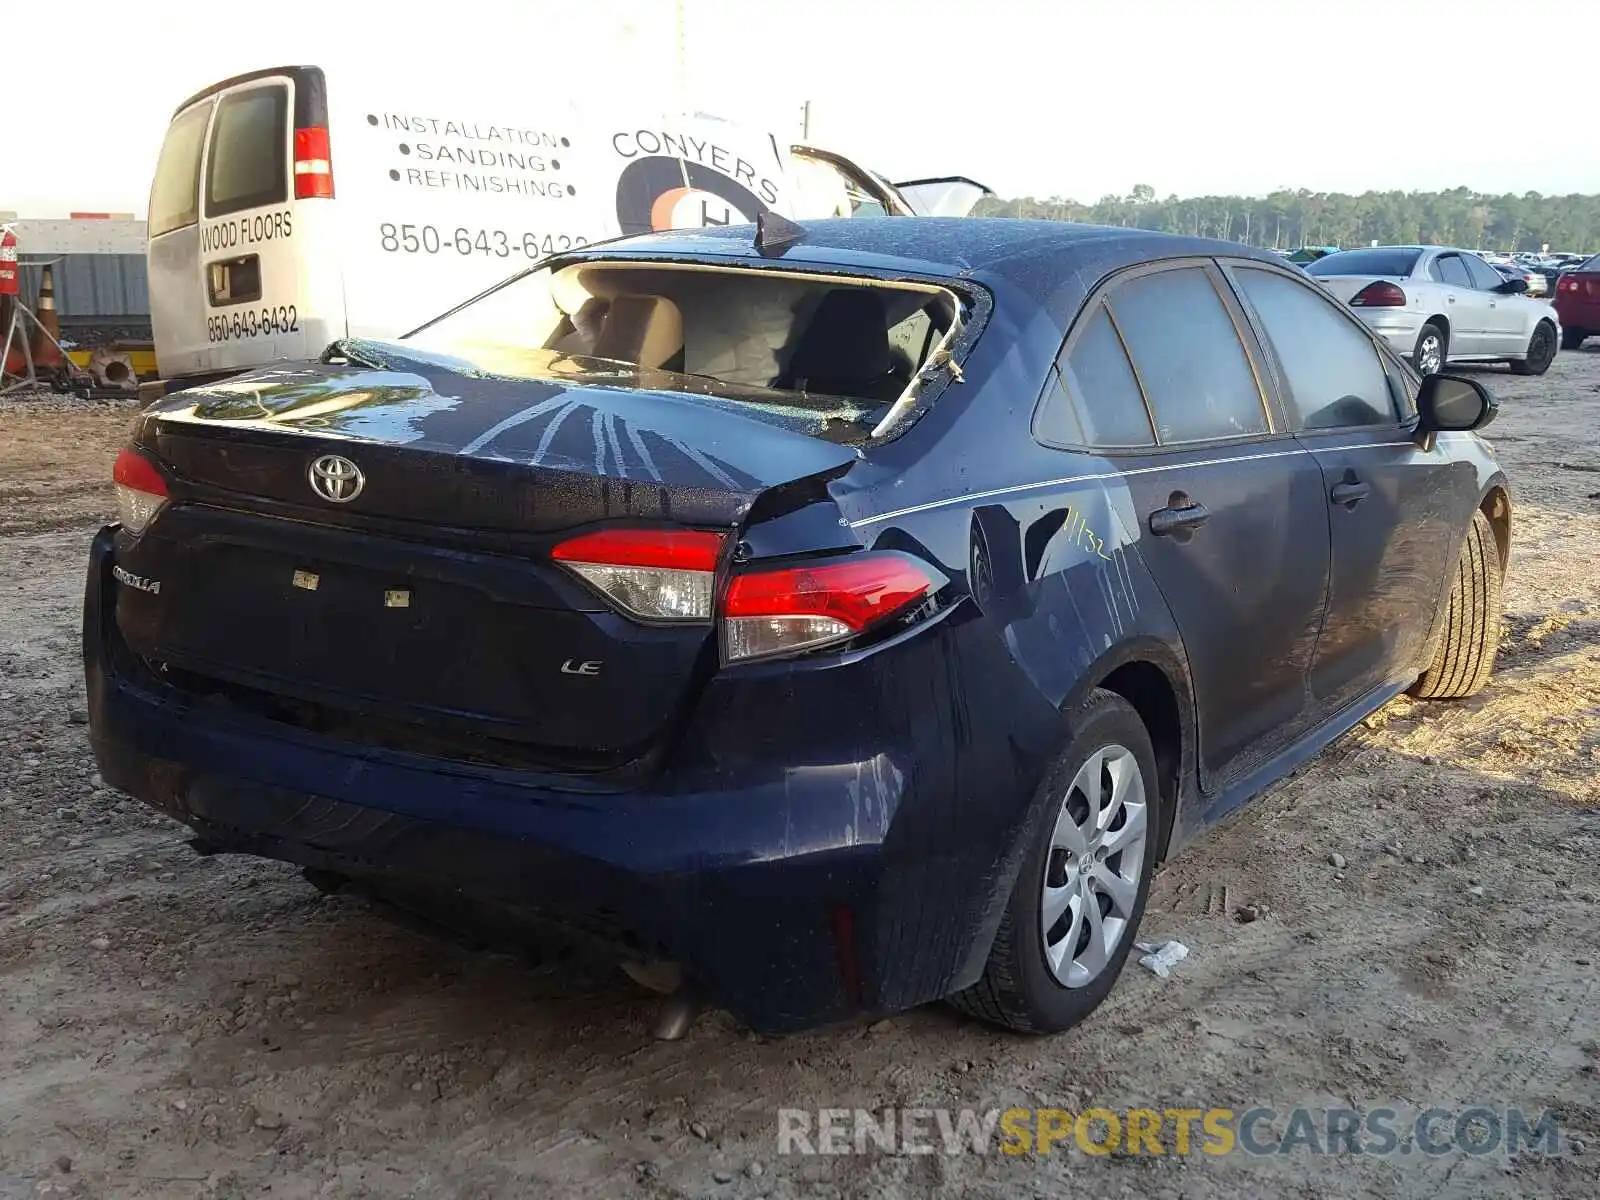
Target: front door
x,y
1502,333
1232,524
1391,506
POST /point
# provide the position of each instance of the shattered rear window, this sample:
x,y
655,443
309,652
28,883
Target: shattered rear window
x,y
836,357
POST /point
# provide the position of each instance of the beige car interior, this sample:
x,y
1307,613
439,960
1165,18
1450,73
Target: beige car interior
x,y
857,346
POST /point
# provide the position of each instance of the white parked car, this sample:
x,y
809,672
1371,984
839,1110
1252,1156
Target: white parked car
x,y
1435,304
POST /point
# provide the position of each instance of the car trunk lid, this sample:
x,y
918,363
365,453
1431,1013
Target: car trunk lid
x,y
1344,287
428,601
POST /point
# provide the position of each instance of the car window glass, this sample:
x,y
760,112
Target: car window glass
x,y
1592,264
174,195
1375,260
1183,343
1334,374
1098,402
1452,271
249,149
1484,277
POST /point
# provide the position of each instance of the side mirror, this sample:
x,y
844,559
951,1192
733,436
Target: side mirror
x,y
1513,287
1452,404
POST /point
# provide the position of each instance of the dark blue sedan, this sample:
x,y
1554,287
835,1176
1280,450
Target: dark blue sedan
x,y
846,617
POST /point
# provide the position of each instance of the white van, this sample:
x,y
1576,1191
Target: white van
x,y
284,216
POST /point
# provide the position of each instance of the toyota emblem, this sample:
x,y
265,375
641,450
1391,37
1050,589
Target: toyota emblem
x,y
336,478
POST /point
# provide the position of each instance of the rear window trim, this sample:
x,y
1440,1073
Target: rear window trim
x,y
285,86
1277,427
975,300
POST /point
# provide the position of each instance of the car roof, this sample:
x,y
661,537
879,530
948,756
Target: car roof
x,y
1049,259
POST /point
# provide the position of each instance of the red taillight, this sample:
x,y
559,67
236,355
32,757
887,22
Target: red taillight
x,y
801,608
1379,294
141,490
663,575
653,574
313,165
1566,283
684,550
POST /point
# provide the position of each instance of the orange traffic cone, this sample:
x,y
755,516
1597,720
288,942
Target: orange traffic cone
x,y
46,353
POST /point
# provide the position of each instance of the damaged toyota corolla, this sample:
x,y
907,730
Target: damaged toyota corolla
x,y
847,616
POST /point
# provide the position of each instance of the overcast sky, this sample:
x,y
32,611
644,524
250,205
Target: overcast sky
x,y
1048,97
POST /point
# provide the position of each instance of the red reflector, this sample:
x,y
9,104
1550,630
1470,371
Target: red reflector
x,y
1379,294
134,470
856,591
313,165
679,550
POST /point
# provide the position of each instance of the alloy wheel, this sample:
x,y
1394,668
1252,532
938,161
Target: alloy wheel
x,y
1094,868
1429,356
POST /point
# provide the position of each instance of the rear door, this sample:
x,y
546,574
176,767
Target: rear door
x,y
1463,305
1394,509
249,277
1233,527
177,308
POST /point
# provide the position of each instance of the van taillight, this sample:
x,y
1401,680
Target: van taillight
x,y
313,165
1381,294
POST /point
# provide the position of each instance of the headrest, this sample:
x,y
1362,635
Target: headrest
x,y
646,330
848,339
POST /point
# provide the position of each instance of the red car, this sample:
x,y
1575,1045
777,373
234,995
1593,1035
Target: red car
x,y
1578,303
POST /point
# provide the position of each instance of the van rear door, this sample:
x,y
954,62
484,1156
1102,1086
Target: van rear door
x,y
177,309
249,277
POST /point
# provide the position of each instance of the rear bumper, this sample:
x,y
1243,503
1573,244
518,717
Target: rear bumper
x,y
1394,325
819,850
1578,314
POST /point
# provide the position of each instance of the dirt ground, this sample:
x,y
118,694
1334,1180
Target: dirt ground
x,y
174,1026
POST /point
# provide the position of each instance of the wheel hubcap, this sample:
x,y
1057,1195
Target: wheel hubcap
x,y
1095,866
1428,358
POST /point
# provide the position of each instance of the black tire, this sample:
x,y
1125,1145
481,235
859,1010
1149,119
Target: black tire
x,y
1435,331
1572,339
1541,351
1464,658
1017,989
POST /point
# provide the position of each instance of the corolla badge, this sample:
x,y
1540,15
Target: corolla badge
x,y
336,478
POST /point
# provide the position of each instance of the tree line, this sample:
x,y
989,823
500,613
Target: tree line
x,y
1286,219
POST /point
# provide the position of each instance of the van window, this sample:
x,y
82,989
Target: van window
x,y
249,151
1187,352
1334,375
1098,402
174,196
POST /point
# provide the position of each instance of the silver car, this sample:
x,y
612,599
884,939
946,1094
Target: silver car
x,y
1436,304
